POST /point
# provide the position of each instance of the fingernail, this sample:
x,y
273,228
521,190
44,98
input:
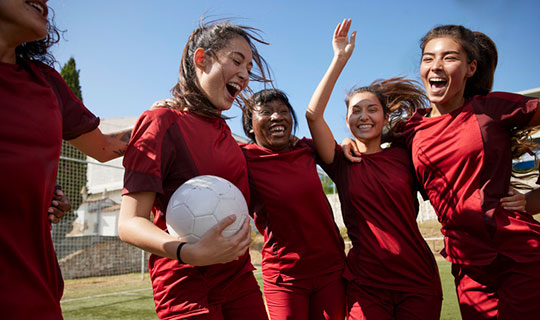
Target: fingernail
x,y
50,210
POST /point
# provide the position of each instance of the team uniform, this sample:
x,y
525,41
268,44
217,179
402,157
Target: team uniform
x,y
37,109
391,271
167,148
463,161
303,254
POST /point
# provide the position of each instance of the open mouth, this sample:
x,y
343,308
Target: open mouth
x,y
438,83
38,7
277,130
234,89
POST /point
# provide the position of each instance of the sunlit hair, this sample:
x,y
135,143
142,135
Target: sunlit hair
x,y
212,37
259,98
398,96
39,50
477,46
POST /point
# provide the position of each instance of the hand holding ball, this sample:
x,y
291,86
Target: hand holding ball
x,y
200,203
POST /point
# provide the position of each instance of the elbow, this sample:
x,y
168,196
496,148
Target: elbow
x,y
310,116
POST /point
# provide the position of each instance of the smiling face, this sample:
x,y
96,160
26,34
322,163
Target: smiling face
x,y
444,71
22,21
366,119
224,75
272,125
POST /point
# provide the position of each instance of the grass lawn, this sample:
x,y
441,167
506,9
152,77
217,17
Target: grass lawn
x,y
130,297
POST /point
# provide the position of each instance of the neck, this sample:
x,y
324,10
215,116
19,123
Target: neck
x,y
446,107
7,53
370,146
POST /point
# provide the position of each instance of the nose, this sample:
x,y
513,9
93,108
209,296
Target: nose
x,y
363,115
437,64
244,73
275,116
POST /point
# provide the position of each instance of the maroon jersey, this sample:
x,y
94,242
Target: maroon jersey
x,y
167,148
291,210
463,161
37,109
378,203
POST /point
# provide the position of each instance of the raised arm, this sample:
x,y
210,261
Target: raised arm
x,y
320,132
102,147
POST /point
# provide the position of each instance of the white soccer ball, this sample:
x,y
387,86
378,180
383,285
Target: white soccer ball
x,y
200,203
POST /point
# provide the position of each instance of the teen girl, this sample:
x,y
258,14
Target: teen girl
x,y
462,154
303,255
211,278
38,110
391,272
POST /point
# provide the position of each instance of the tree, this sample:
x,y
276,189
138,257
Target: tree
x,y
71,76
71,173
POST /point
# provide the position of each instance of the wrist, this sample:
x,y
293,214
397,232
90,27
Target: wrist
x,y
179,252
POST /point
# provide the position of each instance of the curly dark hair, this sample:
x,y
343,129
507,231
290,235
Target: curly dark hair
x,y
38,50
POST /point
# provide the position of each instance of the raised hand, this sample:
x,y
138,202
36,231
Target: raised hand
x,y
343,46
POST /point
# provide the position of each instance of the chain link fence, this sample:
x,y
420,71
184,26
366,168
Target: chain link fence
x,y
86,241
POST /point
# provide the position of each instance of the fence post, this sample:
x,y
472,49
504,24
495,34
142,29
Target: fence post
x,y
142,264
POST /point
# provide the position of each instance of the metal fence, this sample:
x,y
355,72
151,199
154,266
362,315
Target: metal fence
x,y
86,240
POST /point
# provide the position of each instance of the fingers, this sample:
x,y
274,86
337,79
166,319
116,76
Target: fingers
x,y
55,215
220,226
516,202
353,38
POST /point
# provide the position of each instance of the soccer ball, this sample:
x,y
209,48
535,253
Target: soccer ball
x,y
200,203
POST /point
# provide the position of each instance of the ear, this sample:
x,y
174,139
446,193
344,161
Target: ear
x,y
471,68
199,59
386,117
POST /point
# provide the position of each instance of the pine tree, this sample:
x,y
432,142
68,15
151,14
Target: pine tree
x,y
71,174
71,76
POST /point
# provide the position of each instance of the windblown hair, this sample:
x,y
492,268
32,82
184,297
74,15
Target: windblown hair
x,y
212,37
262,97
478,46
399,97
39,50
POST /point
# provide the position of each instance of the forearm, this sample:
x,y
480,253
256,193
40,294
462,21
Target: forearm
x,y
533,201
103,147
135,227
320,131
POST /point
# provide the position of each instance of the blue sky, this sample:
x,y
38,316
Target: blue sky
x,y
128,52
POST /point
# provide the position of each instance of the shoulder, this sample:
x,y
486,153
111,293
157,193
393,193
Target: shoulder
x,y
156,121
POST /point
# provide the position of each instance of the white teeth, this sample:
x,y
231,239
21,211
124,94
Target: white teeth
x,y
365,126
277,129
234,85
37,6
437,80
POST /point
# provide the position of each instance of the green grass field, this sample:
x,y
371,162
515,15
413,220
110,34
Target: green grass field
x,y
130,297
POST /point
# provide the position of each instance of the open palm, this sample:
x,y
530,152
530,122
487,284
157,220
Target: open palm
x,y
343,47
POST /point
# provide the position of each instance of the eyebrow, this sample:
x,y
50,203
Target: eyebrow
x,y
444,53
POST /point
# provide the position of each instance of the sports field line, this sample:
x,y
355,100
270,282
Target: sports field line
x,y
128,292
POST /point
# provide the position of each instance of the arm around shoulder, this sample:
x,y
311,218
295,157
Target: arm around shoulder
x,y
102,147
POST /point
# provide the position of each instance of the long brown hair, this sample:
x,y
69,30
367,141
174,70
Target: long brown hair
x,y
212,37
399,97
